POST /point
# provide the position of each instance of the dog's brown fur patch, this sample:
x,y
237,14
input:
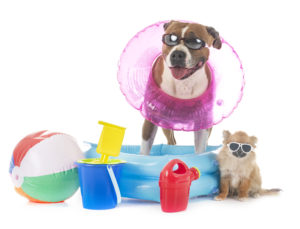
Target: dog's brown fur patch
x,y
148,128
208,74
170,136
157,70
200,31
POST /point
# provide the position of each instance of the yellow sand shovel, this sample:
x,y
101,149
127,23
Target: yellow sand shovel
x,y
110,141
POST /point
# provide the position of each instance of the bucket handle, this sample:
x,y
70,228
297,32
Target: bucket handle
x,y
114,183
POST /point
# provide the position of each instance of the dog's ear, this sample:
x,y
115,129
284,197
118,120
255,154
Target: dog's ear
x,y
253,140
217,43
226,135
166,25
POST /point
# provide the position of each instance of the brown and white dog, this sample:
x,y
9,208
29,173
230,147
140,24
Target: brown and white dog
x,y
181,72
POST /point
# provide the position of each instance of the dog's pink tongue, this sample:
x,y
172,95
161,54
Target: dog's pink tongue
x,y
178,73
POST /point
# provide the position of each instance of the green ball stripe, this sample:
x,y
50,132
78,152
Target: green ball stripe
x,y
52,188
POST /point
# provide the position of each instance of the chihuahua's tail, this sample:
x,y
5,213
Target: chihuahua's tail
x,y
273,191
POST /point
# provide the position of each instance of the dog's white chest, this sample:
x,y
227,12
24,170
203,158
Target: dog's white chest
x,y
186,89
235,169
235,180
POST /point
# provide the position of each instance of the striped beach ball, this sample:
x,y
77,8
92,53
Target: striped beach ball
x,y
42,167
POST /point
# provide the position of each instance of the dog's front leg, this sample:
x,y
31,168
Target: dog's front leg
x,y
224,188
244,189
200,139
148,135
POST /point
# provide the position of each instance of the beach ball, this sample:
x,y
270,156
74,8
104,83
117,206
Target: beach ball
x,y
42,167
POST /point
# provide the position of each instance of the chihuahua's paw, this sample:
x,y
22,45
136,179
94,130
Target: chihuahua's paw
x,y
242,198
220,198
255,195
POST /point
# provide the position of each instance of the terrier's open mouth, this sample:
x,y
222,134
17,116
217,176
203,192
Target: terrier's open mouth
x,y
180,73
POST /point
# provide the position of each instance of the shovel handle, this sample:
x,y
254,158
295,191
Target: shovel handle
x,y
104,158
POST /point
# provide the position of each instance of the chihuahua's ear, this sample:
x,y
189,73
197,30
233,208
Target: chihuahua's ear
x,y
226,135
253,140
217,43
166,25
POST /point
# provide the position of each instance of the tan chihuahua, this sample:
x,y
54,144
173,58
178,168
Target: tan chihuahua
x,y
239,172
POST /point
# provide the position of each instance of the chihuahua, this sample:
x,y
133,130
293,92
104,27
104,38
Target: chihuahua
x,y
240,175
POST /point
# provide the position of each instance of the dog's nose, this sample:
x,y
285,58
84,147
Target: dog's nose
x,y
177,58
239,153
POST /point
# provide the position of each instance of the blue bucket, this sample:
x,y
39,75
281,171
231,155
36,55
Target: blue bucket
x,y
99,183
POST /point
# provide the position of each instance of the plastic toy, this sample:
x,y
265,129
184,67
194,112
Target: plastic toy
x,y
99,178
175,185
139,177
99,183
136,83
110,141
42,167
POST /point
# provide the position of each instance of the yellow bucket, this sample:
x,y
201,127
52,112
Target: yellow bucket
x,y
110,141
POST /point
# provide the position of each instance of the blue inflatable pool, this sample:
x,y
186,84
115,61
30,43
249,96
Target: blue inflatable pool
x,y
140,175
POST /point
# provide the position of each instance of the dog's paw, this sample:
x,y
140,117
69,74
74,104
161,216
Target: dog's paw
x,y
242,198
220,198
255,195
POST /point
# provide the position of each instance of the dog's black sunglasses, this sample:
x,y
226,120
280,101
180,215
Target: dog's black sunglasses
x,y
234,146
192,43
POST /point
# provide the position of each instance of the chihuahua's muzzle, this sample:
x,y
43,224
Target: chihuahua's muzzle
x,y
239,153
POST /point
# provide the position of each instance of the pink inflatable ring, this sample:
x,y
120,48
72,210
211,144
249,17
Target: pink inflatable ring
x,y
137,84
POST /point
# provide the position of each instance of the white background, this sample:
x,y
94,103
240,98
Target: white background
x,y
58,64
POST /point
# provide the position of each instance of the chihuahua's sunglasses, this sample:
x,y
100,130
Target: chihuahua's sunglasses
x,y
192,43
234,146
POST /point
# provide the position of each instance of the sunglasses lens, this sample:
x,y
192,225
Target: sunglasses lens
x,y
194,43
233,146
246,148
170,39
